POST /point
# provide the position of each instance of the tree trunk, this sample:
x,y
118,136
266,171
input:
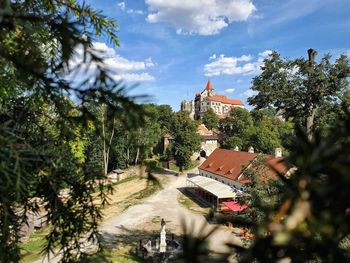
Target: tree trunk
x,y
137,155
310,124
181,168
311,114
105,159
106,147
127,156
128,150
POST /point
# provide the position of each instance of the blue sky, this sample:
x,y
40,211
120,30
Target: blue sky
x,y
171,47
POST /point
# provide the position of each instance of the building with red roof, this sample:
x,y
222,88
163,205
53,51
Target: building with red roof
x,y
222,175
227,166
208,99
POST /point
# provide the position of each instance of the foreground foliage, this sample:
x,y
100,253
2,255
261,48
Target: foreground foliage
x,y
42,132
313,219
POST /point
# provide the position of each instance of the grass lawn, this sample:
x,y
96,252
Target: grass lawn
x,y
176,168
31,249
191,205
122,255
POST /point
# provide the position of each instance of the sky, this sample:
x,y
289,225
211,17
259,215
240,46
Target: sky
x,y
170,48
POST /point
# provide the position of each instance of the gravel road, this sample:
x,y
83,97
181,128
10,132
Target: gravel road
x,y
165,205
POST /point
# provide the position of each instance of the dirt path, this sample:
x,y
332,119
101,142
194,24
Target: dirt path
x,y
146,216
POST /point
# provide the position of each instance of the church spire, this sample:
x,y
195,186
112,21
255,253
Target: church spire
x,y
209,86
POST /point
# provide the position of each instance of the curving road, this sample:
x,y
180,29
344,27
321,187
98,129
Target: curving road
x,y
165,205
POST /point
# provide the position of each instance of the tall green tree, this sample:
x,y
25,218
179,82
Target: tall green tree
x,y
210,119
239,122
165,117
311,223
300,87
238,128
147,137
41,146
270,133
186,139
261,129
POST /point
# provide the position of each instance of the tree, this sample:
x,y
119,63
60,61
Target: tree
x,y
165,117
262,194
232,142
186,139
147,137
312,221
42,131
267,136
259,128
300,87
239,125
239,122
210,119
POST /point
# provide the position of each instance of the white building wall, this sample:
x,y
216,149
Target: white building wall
x,y
209,146
221,179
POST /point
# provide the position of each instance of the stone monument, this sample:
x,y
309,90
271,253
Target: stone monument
x,y
162,245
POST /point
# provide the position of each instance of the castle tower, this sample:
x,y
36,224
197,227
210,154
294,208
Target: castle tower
x,y
209,88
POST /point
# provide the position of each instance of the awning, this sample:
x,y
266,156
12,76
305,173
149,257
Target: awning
x,y
235,206
212,186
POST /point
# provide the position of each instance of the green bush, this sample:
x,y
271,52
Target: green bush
x,y
153,165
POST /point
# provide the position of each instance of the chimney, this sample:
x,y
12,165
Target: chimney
x,y
251,149
236,149
278,152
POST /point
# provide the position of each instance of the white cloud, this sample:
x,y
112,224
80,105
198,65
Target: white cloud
x,y
248,93
202,17
212,57
265,54
119,68
230,90
242,65
122,5
134,77
135,11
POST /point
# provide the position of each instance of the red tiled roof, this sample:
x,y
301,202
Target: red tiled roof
x,y
229,161
224,99
209,86
277,165
203,130
274,165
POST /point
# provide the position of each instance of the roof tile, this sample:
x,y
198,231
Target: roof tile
x,y
224,99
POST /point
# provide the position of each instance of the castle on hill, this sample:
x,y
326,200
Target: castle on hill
x,y
208,99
